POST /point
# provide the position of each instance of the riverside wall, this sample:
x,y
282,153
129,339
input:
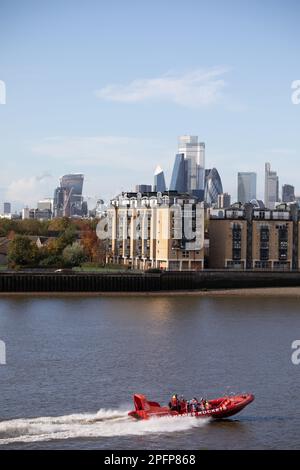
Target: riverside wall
x,y
143,282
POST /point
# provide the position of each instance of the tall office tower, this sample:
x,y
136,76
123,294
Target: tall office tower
x,y
224,201
179,180
271,187
7,208
159,180
246,186
194,155
288,193
213,186
189,167
143,188
68,200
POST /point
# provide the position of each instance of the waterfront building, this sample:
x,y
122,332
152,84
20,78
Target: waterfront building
x,y
288,193
213,186
156,230
224,200
189,167
271,187
159,180
68,199
6,208
246,186
249,237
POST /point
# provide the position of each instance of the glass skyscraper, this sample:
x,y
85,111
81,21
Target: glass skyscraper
x,y
159,180
213,186
178,180
271,187
246,186
68,200
288,193
189,167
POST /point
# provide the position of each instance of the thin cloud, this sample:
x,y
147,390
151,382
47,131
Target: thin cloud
x,y
111,152
28,190
194,89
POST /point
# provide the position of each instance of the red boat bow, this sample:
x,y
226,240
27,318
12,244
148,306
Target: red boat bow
x,y
219,408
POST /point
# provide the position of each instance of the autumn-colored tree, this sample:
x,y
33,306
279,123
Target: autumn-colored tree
x,y
11,235
93,246
60,224
32,227
6,226
56,246
23,252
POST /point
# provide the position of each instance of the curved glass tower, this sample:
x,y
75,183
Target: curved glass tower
x,y
68,200
213,186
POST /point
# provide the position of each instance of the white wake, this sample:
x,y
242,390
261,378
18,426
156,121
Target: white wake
x,y
104,423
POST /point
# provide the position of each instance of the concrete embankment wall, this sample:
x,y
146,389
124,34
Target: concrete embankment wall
x,y
144,282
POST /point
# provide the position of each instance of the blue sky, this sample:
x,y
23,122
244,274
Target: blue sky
x,y
106,88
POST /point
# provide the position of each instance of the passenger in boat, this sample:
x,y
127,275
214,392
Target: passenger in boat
x,y
194,404
174,403
182,404
202,404
206,405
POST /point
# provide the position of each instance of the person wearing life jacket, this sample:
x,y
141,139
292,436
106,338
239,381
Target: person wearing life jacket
x,y
174,403
194,404
202,404
182,405
207,405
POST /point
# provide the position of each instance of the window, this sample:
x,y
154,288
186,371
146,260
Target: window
x,y
264,243
282,243
236,242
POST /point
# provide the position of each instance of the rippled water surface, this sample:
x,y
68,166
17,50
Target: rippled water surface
x,y
73,364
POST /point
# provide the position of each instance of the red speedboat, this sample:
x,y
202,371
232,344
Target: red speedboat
x,y
219,408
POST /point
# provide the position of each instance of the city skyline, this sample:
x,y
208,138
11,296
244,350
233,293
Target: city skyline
x,y
246,187
67,113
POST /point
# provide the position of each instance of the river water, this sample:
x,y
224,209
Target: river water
x,y
73,364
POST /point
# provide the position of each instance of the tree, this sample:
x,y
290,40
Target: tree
x,y
33,227
23,252
60,224
56,246
74,255
92,246
6,226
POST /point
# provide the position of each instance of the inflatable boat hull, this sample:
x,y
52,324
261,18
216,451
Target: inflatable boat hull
x,y
219,408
